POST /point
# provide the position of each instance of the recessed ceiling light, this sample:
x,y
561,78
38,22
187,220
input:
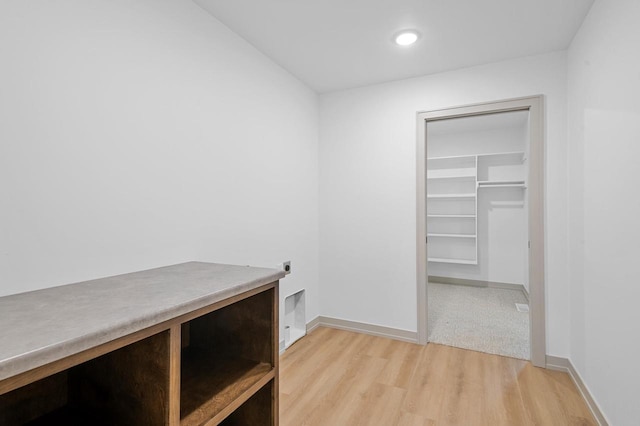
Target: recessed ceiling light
x,y
407,37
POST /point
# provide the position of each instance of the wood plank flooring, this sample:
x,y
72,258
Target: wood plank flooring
x,y
334,377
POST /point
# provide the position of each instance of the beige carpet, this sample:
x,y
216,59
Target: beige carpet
x,y
478,318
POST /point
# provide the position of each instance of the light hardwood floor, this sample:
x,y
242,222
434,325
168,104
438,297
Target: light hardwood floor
x,y
334,377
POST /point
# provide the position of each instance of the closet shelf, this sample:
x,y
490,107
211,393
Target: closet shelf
x,y
504,154
467,195
452,235
453,177
491,154
451,157
454,188
460,261
453,216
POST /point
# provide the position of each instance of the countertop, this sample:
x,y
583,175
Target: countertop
x,y
43,326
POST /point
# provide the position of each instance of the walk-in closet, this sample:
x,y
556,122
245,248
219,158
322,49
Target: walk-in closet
x,y
477,230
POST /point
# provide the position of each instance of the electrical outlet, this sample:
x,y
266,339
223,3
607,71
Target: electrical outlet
x,y
286,267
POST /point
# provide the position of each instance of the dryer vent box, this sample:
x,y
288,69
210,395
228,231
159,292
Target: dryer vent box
x,y
295,323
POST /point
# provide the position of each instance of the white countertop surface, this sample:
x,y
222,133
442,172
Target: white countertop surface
x,y
43,326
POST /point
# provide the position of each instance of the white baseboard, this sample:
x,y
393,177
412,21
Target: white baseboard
x,y
313,324
477,283
361,327
565,365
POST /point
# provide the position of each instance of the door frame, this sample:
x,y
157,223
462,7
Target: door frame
x,y
535,189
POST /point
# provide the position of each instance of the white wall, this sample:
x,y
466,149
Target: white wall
x,y
136,134
604,130
367,188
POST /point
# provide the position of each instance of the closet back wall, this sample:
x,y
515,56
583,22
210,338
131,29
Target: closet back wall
x,y
368,188
142,133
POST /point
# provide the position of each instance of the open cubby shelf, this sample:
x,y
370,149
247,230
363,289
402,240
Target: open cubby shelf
x,y
99,391
218,363
69,416
249,413
209,387
226,354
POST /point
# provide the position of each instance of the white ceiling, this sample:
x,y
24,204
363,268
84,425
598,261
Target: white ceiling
x,y
338,44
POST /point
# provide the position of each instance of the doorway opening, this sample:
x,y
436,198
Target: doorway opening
x,y
480,229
